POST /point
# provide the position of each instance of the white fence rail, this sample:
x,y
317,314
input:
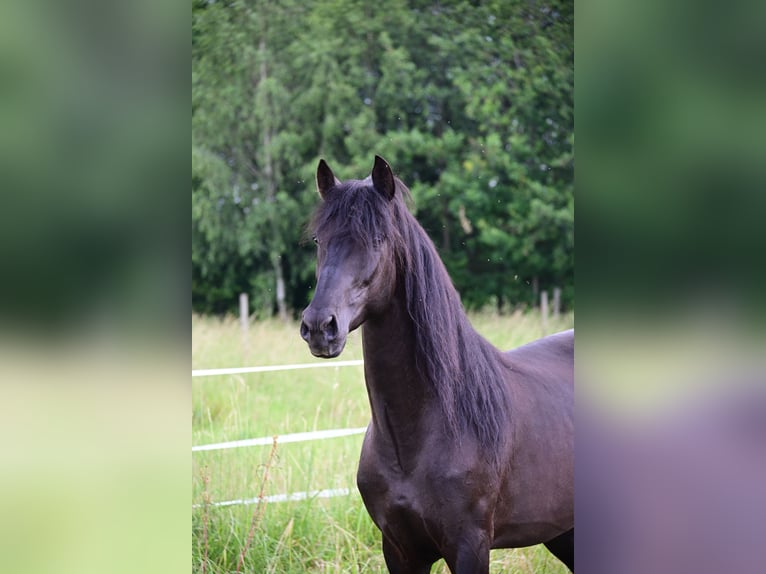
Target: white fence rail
x,y
270,368
281,439
326,493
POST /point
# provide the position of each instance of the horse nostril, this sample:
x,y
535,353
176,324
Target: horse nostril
x,y
304,331
330,326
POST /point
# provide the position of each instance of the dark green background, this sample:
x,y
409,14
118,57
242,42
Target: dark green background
x,y
471,104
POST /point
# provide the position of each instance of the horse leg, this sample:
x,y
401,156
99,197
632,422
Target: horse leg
x,y
562,547
470,557
397,563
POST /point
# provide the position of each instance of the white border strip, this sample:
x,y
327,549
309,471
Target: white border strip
x,y
283,439
269,368
327,493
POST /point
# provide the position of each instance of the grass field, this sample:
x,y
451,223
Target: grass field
x,y
316,535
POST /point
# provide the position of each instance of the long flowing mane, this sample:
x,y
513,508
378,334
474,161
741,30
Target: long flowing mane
x,y
464,370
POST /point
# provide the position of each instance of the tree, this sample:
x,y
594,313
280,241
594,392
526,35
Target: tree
x,y
240,107
470,102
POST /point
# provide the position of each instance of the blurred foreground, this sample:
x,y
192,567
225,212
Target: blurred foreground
x,y
671,393
671,447
94,400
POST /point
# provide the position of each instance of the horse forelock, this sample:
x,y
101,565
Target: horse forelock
x,y
354,210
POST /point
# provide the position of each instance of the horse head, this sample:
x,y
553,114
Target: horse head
x,y
354,228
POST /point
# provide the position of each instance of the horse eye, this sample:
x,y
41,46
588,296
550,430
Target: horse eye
x,y
314,238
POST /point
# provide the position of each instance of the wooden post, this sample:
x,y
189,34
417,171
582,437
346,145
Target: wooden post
x,y
556,302
281,296
544,307
244,311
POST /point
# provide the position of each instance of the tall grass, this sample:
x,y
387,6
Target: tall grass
x,y
315,535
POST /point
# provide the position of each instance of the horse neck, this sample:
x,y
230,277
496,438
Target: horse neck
x,y
426,367
401,402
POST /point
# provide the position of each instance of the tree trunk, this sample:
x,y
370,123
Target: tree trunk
x,y
269,176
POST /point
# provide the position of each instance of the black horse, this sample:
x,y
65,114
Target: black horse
x,y
468,448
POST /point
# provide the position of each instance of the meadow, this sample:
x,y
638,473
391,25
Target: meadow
x,y
316,535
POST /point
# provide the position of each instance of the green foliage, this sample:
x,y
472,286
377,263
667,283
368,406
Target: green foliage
x,y
472,104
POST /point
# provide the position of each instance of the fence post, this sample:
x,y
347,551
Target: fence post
x,y
244,311
556,302
544,307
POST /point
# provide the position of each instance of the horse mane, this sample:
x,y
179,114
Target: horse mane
x,y
463,369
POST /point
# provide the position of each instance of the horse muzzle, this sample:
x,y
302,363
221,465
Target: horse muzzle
x,y
322,333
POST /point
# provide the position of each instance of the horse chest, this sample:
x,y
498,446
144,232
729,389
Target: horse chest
x,y
422,502
386,489
399,505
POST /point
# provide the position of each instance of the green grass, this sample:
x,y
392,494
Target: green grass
x,y
321,535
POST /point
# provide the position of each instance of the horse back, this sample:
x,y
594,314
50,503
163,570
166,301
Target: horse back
x,y
546,363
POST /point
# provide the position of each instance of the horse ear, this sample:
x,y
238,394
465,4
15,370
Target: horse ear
x,y
325,178
383,178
